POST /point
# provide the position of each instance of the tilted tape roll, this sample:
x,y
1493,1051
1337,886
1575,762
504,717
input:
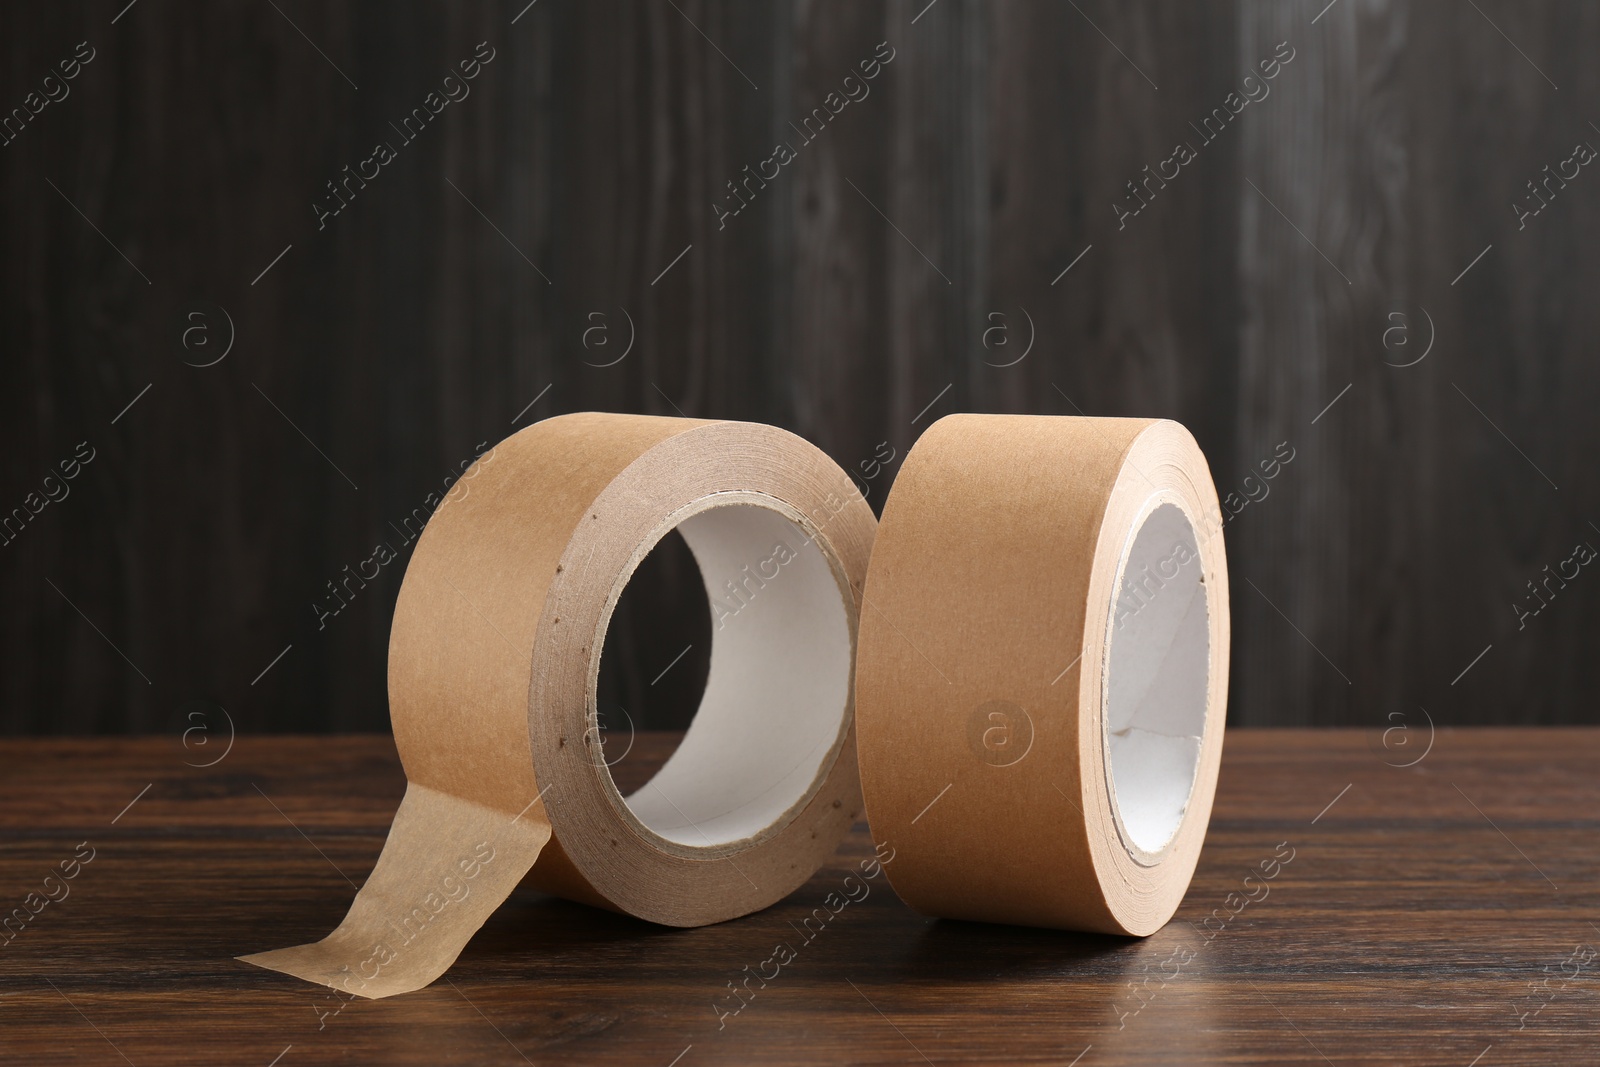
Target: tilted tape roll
x,y
1042,673
493,664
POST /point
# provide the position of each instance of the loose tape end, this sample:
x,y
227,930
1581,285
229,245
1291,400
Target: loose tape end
x,y
422,903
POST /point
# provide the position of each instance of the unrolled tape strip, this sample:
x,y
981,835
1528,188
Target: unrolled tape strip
x,y
494,657
1043,669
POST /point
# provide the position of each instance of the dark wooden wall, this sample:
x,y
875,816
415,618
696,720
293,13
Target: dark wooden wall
x,y
852,301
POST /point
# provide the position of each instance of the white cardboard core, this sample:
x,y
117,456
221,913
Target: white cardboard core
x,y
1156,679
779,687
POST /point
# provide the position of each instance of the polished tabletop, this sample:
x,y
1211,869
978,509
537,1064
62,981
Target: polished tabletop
x,y
1432,900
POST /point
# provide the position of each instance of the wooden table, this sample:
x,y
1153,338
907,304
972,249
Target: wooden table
x,y
1443,913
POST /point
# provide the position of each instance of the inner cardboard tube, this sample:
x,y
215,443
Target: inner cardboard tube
x,y
1155,689
777,698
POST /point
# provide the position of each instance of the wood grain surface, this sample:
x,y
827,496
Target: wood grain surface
x,y
1437,914
958,215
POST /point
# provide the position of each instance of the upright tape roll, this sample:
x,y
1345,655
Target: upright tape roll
x,y
494,657
1042,674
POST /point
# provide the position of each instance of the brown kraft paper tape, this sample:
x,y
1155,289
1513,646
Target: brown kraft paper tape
x,y
494,657
1042,675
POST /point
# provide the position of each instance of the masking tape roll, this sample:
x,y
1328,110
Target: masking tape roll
x,y
1042,675
494,658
